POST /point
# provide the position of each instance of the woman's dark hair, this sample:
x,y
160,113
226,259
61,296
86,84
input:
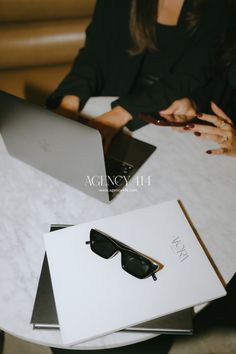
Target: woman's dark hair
x,y
228,41
143,21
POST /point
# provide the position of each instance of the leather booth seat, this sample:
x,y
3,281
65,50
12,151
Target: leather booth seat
x,y
38,41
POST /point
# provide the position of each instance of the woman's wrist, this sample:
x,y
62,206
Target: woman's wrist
x,y
124,116
71,102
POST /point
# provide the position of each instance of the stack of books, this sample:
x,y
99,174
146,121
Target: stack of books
x,y
86,295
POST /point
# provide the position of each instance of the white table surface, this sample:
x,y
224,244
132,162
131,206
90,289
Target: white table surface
x,y
30,201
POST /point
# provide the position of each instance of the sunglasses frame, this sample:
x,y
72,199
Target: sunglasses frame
x,y
123,249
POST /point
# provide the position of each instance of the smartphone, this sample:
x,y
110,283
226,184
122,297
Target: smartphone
x,y
161,121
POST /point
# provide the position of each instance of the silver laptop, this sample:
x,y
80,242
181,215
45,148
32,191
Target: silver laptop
x,y
69,151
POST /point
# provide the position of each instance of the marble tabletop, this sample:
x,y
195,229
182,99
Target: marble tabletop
x,y
30,201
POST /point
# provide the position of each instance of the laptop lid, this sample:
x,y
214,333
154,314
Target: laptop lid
x,y
68,150
60,147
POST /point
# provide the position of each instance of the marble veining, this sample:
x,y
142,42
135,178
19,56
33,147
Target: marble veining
x,y
30,201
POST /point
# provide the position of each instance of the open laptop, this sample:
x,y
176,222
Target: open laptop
x,y
68,150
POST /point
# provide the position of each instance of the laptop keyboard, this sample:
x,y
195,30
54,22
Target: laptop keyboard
x,y
118,172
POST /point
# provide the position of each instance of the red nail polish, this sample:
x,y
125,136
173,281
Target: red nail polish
x,y
186,128
197,134
189,126
209,152
199,115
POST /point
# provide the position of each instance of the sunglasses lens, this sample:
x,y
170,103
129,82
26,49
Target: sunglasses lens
x,y
101,245
136,265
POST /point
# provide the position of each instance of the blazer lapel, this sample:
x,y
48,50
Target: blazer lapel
x,y
179,42
125,68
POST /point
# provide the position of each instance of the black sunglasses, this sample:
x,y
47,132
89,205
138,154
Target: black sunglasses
x,y
132,261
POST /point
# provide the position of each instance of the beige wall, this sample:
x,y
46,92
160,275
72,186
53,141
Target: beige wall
x,y
38,41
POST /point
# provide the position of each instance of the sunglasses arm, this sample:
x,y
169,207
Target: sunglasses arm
x,y
154,277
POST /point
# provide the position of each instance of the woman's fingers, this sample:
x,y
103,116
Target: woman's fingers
x,y
226,145
220,120
178,118
168,117
220,113
222,131
176,112
205,129
180,110
218,135
226,140
220,139
181,117
168,111
219,151
216,121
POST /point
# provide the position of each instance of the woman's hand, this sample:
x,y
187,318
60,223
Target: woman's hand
x,y
179,111
110,123
69,107
223,132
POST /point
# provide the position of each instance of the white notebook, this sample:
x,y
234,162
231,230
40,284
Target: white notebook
x,y
95,296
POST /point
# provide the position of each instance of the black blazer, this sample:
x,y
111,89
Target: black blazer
x,y
105,68
231,79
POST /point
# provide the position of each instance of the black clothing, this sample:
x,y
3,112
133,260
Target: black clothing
x,y
232,75
221,90
232,86
150,72
105,68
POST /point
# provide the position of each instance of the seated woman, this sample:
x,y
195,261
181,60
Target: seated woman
x,y
222,89
147,53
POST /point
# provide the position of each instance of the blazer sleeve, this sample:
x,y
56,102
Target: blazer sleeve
x,y
87,73
192,71
221,90
233,117
232,83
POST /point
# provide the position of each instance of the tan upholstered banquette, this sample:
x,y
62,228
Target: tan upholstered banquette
x,y
38,42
